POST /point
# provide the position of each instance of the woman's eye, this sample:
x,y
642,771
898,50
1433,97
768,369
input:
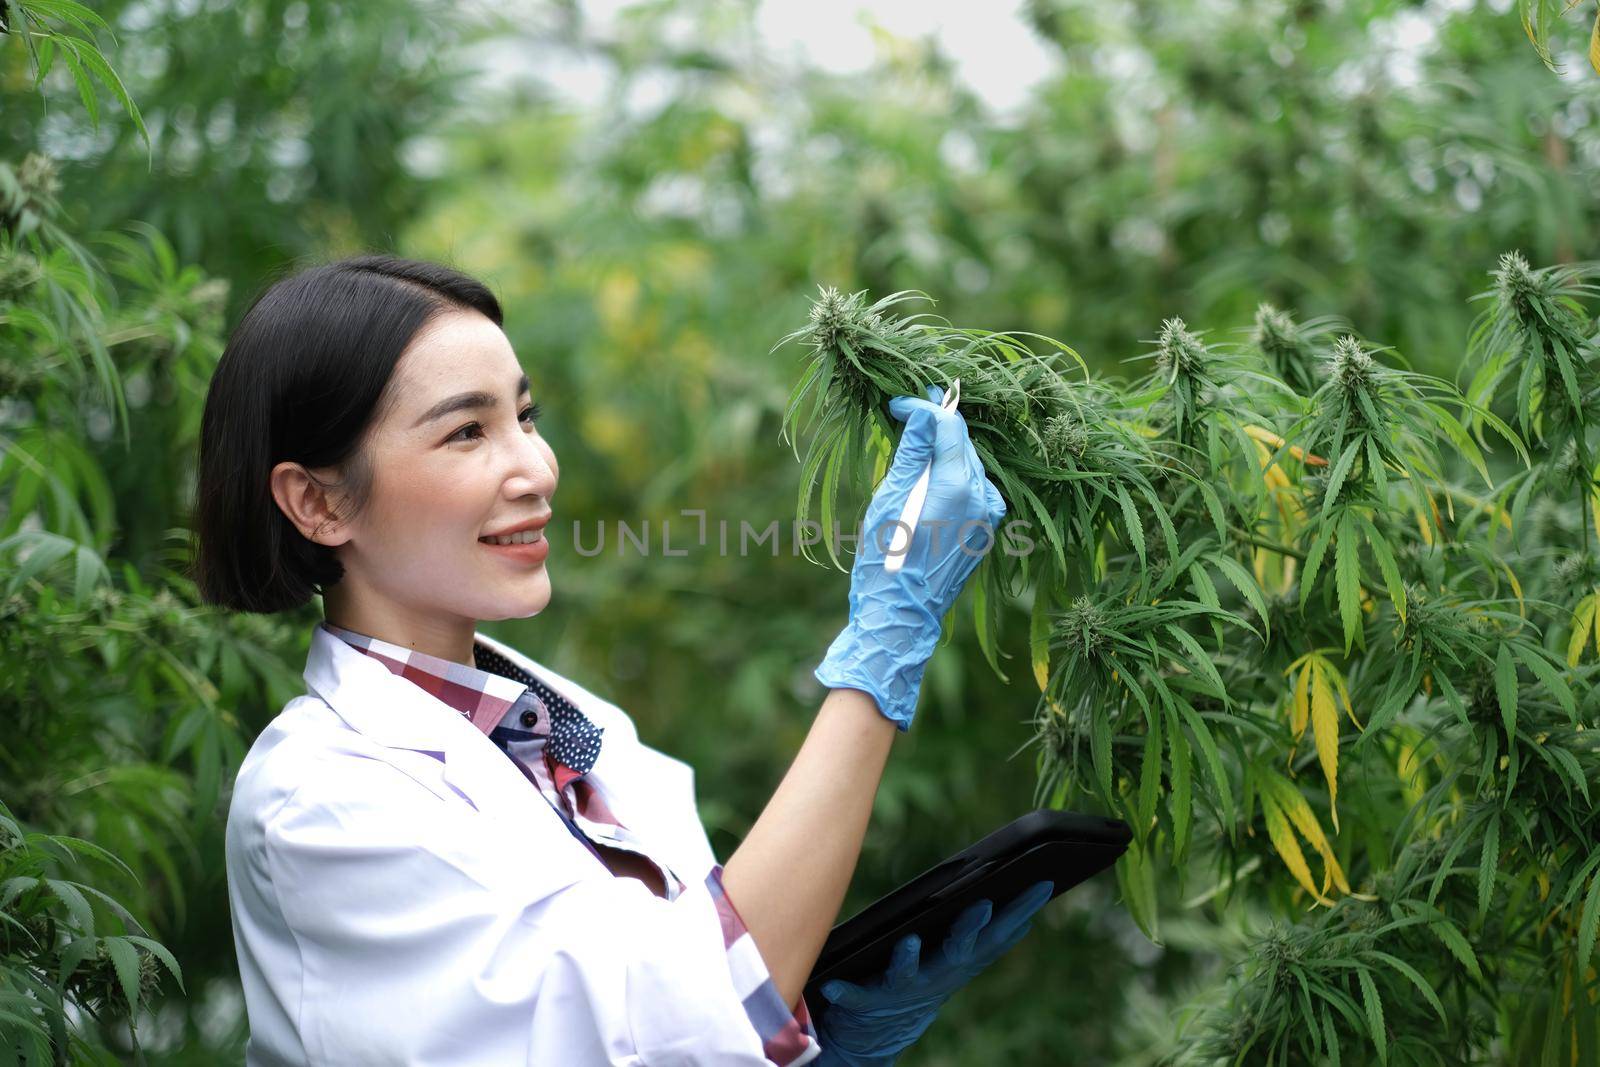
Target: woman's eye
x,y
471,431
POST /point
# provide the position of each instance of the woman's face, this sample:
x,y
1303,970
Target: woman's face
x,y
448,469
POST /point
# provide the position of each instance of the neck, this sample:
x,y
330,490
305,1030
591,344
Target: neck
x,y
445,637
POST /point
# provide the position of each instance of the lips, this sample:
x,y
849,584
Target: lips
x,y
531,552
530,524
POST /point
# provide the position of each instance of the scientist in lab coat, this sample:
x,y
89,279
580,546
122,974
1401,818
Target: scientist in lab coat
x,y
445,853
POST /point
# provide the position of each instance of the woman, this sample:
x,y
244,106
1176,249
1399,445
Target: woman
x,y
447,853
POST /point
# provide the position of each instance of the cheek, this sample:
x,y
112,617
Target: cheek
x,y
426,500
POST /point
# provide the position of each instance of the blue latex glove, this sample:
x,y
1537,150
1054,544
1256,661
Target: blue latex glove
x,y
895,619
867,1026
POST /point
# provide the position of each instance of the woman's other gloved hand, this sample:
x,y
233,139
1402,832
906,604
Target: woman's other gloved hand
x,y
868,1026
895,619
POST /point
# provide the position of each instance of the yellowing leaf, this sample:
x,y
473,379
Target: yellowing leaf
x,y
1516,587
1594,494
1344,692
1594,45
1594,617
1318,694
1302,704
1582,617
1039,638
1422,527
1293,804
1283,840
1325,727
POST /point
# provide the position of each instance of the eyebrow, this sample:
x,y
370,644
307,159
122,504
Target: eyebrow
x,y
466,402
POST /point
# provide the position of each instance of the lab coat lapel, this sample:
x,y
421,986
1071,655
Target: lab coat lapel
x,y
400,715
648,791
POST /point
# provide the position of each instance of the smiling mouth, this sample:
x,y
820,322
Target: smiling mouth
x,y
527,537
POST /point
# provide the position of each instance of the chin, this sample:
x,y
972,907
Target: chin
x,y
525,607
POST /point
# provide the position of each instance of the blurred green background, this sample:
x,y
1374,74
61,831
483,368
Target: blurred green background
x,y
655,190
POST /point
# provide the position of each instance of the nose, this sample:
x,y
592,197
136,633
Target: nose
x,y
531,467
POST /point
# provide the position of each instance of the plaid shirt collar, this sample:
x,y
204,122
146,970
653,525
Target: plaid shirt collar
x,y
483,694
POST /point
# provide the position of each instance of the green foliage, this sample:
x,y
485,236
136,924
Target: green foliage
x,y
1163,703
1181,159
116,729
65,26
1539,20
51,954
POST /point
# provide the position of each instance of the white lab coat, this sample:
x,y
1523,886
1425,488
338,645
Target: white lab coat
x,y
402,894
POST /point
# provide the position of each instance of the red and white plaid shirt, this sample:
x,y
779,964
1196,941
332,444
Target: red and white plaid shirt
x,y
554,744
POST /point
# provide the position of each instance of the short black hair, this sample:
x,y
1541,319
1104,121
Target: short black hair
x,y
300,380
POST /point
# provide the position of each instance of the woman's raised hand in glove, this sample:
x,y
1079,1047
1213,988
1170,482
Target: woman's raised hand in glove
x,y
895,619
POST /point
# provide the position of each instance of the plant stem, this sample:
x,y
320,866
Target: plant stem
x,y
1271,546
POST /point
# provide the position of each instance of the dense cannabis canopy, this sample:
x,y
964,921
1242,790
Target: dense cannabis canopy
x,y
1266,570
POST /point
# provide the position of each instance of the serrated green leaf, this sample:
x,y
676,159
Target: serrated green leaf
x,y
1213,760
1377,468
125,958
1488,865
1347,578
1416,979
77,904
1374,1007
983,622
1150,775
85,85
1214,509
1588,923
160,952
1505,690
1458,945
76,951
1341,470
1137,882
1180,801
1130,521
1549,677
1386,566
1245,583
1308,576
1198,659
1100,750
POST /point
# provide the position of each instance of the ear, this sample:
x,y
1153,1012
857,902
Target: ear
x,y
310,501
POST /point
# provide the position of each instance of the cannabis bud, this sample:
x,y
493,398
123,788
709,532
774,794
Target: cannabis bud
x,y
1283,345
1065,435
1082,626
989,395
1178,350
1572,571
832,316
37,176
1516,285
1350,365
1275,333
868,356
19,272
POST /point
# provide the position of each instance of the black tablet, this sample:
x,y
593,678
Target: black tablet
x,y
1063,846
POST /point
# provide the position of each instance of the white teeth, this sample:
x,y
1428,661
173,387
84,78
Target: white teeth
x,y
526,537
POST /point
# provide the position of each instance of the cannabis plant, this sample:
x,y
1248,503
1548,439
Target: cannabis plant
x,y
1285,533
122,699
